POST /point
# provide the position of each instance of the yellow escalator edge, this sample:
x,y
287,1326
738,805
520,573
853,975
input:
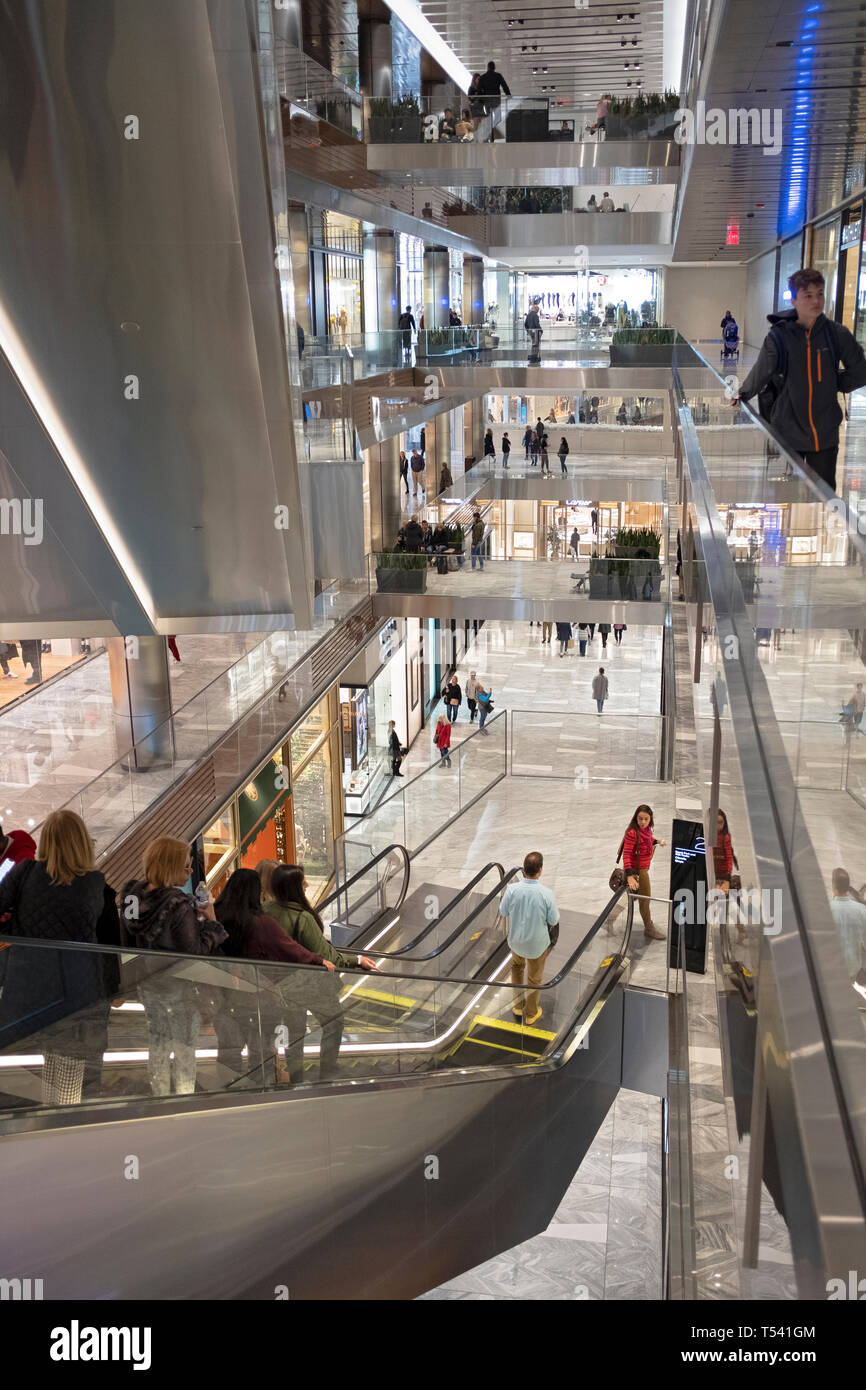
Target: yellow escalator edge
x,y
511,1027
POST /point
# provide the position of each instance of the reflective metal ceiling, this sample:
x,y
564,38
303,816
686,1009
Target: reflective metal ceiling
x,y
807,60
585,51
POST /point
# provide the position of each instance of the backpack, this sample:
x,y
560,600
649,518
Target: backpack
x,y
768,397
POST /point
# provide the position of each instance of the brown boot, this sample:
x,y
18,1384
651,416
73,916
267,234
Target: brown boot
x,y
652,933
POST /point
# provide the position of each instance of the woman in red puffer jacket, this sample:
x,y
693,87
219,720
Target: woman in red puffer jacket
x,y
638,848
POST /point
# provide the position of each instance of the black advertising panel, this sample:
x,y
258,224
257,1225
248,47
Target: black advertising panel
x,y
689,893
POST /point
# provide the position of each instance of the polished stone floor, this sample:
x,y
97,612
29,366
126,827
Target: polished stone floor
x,y
605,1239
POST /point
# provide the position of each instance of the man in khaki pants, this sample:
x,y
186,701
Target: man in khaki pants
x,y
531,911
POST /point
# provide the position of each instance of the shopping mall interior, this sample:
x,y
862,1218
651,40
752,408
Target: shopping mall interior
x,y
475,484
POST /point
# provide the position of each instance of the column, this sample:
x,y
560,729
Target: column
x,y
299,241
374,57
386,492
439,441
436,287
381,302
141,696
473,290
474,426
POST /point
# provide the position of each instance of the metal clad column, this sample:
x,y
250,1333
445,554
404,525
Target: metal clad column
x,y
387,287
436,287
385,487
141,696
473,290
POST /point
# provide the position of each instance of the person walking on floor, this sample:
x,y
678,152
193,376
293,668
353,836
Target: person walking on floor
x,y
532,327
593,516
637,849
404,469
546,632
31,654
396,750
618,630
528,436
530,910
604,630
471,701
857,701
849,915
545,459
534,446
563,455
563,637
477,540
445,478
406,325
453,696
442,739
506,449
599,689
574,543
799,366
489,446
485,703
416,463
582,638
490,84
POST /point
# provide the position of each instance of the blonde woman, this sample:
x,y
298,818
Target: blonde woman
x,y
157,915
59,896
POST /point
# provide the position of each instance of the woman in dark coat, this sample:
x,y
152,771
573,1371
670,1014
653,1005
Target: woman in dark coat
x,y
58,1000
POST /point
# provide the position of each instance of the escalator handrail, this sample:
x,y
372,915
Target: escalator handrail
x,y
399,955
407,868
273,966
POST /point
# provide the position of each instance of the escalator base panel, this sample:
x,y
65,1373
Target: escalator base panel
x,y
504,1036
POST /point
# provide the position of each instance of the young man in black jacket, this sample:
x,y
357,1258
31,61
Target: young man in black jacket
x,y
799,356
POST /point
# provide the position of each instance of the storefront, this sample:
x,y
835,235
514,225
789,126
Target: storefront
x,y
291,810
790,259
410,271
542,530
848,283
825,254
372,692
336,268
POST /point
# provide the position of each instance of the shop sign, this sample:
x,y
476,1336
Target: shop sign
x,y
261,797
851,234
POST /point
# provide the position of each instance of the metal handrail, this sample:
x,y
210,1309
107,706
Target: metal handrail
x,y
377,888
437,921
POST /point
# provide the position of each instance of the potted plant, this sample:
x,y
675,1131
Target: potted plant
x,y
649,346
649,115
401,572
394,121
638,570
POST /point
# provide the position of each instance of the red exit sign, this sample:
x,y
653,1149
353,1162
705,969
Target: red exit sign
x,y
733,233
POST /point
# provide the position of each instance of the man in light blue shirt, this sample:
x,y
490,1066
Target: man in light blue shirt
x,y
850,917
531,911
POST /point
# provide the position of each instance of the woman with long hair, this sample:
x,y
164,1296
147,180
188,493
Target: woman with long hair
x,y
253,933
637,848
158,915
442,739
724,858
291,908
64,995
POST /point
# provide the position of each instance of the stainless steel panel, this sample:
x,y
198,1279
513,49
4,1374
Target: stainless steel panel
x,y
508,608
473,289
543,232
338,519
170,235
437,288
613,161
645,1042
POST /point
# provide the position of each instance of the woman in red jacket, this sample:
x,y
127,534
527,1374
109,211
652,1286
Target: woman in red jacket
x,y
442,739
638,848
723,855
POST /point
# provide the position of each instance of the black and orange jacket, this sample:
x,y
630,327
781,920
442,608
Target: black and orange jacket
x,y
807,413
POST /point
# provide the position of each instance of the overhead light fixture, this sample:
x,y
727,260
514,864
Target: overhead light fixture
x,y
418,24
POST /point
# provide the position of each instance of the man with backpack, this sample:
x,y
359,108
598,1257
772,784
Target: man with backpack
x,y
416,464
797,378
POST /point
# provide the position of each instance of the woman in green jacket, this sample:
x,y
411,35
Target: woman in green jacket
x,y
287,903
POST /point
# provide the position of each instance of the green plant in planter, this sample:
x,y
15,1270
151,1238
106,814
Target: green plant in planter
x,y
645,337
400,560
637,551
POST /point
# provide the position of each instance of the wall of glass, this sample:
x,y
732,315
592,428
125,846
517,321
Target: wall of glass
x,y
410,270
825,255
606,296
790,259
291,810
849,265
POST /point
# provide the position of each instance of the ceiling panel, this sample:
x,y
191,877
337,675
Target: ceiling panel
x,y
806,60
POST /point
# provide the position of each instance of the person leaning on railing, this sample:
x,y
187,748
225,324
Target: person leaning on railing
x,y
59,896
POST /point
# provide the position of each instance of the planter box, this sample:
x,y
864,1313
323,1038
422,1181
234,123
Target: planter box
x,y
627,587
393,130
644,127
398,581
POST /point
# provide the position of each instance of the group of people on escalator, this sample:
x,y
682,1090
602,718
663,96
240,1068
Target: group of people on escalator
x,y
59,1001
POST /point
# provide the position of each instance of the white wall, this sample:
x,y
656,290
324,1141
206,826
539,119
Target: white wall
x,y
696,297
759,303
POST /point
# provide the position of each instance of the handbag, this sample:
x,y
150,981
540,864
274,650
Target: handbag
x,y
619,878
553,933
570,643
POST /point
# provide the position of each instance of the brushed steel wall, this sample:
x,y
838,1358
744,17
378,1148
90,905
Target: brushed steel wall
x,y
437,289
139,304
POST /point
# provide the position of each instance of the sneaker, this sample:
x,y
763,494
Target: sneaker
x,y
10,676
652,933
518,1012
534,1019
34,680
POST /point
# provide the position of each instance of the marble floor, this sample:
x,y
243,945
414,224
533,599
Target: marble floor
x,y
605,1239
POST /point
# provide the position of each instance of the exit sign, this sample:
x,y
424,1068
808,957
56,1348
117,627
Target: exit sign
x,y
733,233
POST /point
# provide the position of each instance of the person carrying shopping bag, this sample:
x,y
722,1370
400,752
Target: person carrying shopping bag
x,y
637,850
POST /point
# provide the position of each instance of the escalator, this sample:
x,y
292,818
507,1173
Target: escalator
x,y
449,1132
